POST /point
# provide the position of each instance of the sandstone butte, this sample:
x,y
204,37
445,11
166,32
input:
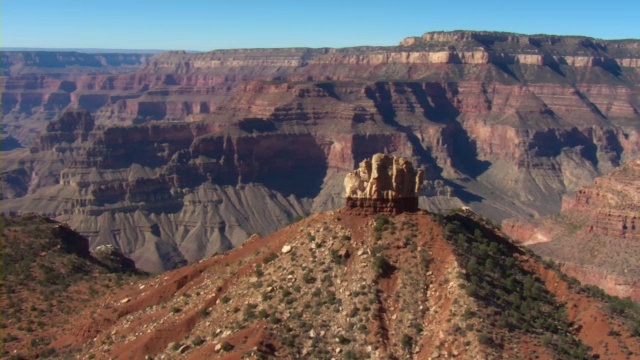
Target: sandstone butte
x,y
383,184
175,157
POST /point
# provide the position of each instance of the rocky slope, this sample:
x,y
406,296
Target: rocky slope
x,y
48,275
340,285
505,123
595,236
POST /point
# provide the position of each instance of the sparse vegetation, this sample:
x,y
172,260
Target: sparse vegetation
x,y
269,258
407,342
226,346
381,265
47,275
198,340
623,307
522,301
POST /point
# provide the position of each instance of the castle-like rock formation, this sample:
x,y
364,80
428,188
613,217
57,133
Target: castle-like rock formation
x,y
383,184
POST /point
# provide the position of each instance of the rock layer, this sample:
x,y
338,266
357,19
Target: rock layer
x,y
595,236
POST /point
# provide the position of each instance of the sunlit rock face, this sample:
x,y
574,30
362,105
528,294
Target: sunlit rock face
x,y
383,184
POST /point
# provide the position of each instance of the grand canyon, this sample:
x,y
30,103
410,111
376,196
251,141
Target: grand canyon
x,y
174,157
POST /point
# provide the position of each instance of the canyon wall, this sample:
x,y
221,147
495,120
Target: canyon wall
x,y
504,123
596,235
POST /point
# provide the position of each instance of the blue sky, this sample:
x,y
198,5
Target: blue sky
x,y
206,25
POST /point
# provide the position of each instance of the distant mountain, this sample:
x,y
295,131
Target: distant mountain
x,y
89,51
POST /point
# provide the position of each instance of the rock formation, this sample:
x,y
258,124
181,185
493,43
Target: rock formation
x,y
383,184
595,237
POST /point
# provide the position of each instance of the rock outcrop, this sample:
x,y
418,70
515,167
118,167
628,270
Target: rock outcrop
x,y
383,184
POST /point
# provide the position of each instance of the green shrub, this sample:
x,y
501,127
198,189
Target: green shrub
x,y
269,257
308,277
407,342
337,259
343,340
249,312
485,339
381,265
226,346
197,341
349,355
273,319
380,222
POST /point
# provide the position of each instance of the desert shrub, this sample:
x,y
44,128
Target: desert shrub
x,y
343,340
259,272
249,311
308,277
269,257
381,265
349,355
337,259
485,339
406,341
226,346
331,298
197,341
273,319
263,314
380,222
290,300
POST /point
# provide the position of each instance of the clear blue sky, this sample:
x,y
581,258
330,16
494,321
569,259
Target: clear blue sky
x,y
215,24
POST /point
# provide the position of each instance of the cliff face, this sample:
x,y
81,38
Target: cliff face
x,y
613,201
506,123
587,237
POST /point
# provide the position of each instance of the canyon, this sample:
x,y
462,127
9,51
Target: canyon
x,y
174,157
595,237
